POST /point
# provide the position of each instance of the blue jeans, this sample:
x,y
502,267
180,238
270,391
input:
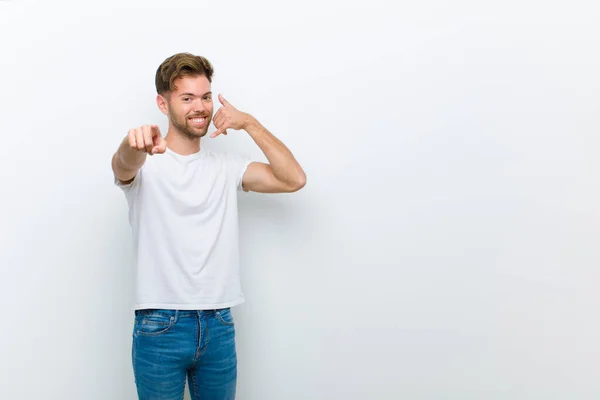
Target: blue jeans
x,y
170,345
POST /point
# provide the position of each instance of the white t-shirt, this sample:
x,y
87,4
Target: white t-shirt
x,y
184,219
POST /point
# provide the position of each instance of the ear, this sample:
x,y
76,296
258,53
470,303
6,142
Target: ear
x,y
162,104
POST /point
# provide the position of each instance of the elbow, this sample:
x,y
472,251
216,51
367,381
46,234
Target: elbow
x,y
299,183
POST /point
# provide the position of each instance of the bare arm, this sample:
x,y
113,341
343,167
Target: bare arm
x,y
133,150
282,174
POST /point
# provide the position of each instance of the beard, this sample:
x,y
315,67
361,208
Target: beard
x,y
183,124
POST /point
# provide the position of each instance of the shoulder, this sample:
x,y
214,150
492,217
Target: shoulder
x,y
234,164
227,157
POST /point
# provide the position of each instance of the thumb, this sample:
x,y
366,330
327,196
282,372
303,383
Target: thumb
x,y
223,101
160,147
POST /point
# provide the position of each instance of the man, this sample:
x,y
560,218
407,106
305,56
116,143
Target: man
x,y
183,213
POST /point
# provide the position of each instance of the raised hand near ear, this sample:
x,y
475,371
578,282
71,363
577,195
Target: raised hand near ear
x,y
228,117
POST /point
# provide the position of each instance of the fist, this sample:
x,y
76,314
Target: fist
x,y
147,139
228,117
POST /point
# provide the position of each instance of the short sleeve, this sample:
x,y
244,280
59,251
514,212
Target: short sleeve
x,y
133,185
238,164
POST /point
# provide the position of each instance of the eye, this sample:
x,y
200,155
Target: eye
x,y
207,97
186,99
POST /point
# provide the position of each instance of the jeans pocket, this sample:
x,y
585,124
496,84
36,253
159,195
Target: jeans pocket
x,y
224,316
153,323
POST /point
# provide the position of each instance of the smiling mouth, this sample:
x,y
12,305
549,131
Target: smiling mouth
x,y
198,121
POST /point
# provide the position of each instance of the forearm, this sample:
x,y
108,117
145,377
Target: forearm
x,y
127,161
285,167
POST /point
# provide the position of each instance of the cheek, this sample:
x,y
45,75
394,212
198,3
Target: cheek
x,y
174,111
182,111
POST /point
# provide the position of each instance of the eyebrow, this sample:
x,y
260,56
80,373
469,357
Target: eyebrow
x,y
192,94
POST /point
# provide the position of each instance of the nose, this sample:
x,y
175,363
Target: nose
x,y
199,106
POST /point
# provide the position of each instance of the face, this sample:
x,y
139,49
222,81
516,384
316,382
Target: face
x,y
189,106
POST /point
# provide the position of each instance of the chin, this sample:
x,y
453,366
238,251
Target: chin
x,y
191,133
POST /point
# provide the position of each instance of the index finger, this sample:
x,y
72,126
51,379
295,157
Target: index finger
x,y
154,130
148,142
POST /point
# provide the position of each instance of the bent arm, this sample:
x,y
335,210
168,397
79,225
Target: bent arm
x,y
282,174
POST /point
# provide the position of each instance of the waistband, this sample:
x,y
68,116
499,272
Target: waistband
x,y
179,313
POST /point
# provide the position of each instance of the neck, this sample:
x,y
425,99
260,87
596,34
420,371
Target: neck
x,y
180,143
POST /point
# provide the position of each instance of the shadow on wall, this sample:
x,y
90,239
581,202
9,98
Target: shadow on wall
x,y
285,215
276,225
272,208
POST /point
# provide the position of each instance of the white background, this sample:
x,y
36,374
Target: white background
x,y
446,243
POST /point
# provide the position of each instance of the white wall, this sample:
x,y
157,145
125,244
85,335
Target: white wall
x,y
445,247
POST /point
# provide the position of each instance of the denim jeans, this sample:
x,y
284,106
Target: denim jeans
x,y
172,345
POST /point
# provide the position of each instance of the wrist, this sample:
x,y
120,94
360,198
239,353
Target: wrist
x,y
131,158
250,123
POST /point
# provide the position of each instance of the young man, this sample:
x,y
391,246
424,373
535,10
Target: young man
x,y
182,202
